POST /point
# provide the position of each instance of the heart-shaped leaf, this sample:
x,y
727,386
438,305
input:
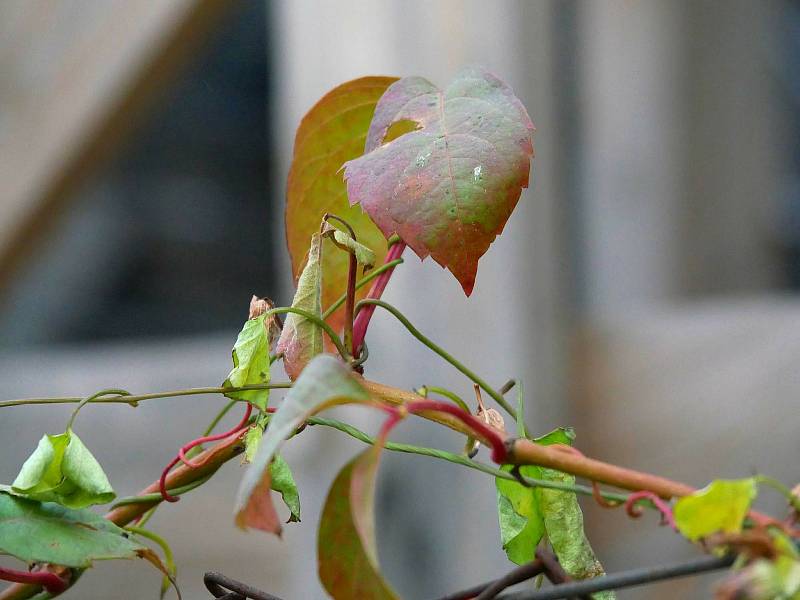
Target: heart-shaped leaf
x,y
51,533
324,382
330,134
720,506
62,470
448,187
346,553
301,339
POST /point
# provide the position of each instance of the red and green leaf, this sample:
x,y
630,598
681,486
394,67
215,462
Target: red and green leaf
x,y
325,382
447,187
346,553
331,133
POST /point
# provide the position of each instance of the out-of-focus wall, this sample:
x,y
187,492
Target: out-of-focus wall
x,y
658,151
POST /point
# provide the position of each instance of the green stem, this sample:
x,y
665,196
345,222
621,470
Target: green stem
x,y
115,392
156,497
784,490
441,352
134,399
169,559
317,320
461,460
361,283
447,394
199,448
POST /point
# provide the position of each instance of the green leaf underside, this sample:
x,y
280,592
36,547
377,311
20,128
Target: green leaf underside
x,y
251,362
301,340
447,187
282,481
330,134
364,255
346,554
324,382
62,470
48,532
528,514
721,506
253,437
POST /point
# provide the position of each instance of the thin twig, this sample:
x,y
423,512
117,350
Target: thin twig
x,y
625,579
221,586
469,373
136,398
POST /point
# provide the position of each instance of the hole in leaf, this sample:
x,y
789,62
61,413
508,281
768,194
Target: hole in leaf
x,y
399,128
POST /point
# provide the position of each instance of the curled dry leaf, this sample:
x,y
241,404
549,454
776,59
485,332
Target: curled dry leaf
x,y
448,186
301,339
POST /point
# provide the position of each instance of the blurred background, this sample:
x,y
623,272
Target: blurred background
x,y
645,289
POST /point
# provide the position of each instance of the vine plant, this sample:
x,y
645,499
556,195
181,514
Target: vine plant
x,y
379,164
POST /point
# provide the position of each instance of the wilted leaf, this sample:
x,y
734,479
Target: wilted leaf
x,y
282,481
330,134
324,382
48,532
521,523
563,521
301,339
720,506
346,554
62,470
364,256
448,187
251,361
527,514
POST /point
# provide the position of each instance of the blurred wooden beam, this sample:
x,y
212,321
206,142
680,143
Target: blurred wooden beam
x,y
75,83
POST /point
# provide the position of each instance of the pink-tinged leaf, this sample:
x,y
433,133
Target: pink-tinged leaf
x,y
301,339
325,382
347,558
259,511
330,134
447,187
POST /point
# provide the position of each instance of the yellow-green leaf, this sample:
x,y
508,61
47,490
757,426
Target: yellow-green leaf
x,y
331,133
251,362
721,506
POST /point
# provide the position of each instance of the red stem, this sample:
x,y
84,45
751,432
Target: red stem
x,y
375,292
162,482
212,438
490,435
49,581
635,511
